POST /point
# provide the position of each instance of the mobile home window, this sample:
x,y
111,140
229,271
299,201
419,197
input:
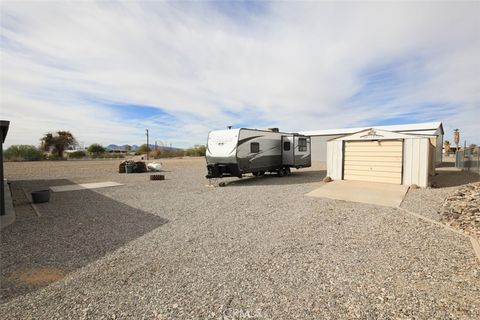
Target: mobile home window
x,y
254,147
286,146
302,144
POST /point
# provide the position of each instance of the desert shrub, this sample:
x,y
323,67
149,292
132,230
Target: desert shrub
x,y
156,154
96,149
23,152
54,156
196,151
77,154
143,149
111,155
166,153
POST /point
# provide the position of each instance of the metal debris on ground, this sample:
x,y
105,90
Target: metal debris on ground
x,y
136,166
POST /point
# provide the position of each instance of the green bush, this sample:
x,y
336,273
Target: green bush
x,y
96,149
77,154
23,153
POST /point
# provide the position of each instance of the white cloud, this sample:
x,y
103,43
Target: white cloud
x,y
292,65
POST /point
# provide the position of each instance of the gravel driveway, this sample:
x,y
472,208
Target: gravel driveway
x,y
257,248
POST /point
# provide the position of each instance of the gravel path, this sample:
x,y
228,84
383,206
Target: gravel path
x,y
255,248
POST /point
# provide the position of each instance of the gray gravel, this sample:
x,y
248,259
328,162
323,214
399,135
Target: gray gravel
x,y
428,202
255,248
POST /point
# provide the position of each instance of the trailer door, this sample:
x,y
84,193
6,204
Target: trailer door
x,y
302,151
287,151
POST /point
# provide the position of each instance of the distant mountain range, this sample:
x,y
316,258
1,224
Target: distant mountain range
x,y
115,147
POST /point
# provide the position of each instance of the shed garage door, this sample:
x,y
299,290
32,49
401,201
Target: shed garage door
x,y
378,161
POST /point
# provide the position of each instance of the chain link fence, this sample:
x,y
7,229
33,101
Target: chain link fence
x,y
468,160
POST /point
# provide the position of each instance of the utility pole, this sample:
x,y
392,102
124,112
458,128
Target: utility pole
x,y
148,147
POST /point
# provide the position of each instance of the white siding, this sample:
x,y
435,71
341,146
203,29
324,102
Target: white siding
x,y
416,162
334,159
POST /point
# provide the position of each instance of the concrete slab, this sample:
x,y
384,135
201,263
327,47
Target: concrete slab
x,y
382,194
74,187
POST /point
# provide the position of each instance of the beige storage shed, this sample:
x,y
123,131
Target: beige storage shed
x,y
381,156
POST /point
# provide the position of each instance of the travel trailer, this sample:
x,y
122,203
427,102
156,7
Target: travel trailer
x,y
234,152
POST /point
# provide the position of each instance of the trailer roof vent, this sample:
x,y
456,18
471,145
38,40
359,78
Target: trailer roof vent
x,y
273,129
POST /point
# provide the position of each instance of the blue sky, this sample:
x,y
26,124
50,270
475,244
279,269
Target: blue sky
x,y
108,71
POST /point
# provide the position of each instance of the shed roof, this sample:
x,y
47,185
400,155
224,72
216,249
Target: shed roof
x,y
378,134
426,128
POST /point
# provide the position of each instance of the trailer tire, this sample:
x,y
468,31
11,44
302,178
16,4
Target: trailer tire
x,y
256,174
281,172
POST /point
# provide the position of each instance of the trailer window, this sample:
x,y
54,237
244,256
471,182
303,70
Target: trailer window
x,y
254,147
302,144
286,146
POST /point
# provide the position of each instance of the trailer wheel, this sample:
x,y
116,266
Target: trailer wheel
x,y
281,172
256,173
261,173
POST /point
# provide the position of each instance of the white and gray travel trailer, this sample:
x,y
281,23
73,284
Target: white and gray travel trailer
x,y
234,152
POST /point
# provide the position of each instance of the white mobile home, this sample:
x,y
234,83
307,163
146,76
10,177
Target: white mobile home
x,y
382,156
319,138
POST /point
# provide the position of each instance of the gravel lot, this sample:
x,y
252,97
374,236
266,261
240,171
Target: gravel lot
x,y
257,248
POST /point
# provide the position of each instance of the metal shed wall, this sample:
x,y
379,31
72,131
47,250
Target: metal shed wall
x,y
416,161
335,159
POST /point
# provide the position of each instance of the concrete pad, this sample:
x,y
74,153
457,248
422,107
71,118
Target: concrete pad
x,y
382,194
74,187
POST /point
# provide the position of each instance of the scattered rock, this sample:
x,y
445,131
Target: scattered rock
x,y
461,209
327,179
414,186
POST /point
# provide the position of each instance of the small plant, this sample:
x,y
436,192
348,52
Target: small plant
x,y
23,152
